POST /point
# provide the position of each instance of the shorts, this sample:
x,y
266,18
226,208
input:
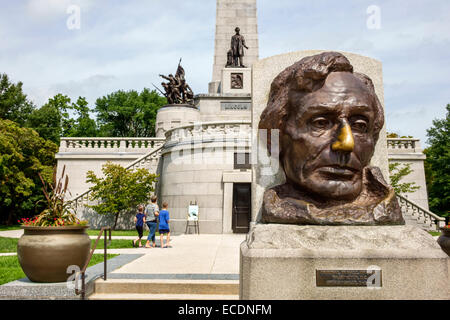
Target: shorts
x,y
140,230
164,231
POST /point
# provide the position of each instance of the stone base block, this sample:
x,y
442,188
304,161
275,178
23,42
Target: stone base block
x,y
236,80
287,262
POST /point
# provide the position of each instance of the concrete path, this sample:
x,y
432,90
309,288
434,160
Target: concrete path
x,y
11,233
190,254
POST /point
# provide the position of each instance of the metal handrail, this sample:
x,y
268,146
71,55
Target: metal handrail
x,y
83,271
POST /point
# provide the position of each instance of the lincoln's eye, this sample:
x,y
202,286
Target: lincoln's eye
x,y
321,123
359,125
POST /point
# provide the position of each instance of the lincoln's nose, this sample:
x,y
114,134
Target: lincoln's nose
x,y
345,141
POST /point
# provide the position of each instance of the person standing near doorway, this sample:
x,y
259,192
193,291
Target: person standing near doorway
x,y
151,214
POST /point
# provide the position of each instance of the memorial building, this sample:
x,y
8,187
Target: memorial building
x,y
206,144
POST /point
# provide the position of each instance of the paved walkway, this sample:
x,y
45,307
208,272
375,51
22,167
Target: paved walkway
x,y
189,254
11,233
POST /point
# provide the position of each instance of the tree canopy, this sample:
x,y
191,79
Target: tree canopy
x,y
14,104
437,165
48,120
83,125
29,137
128,113
23,154
397,172
120,189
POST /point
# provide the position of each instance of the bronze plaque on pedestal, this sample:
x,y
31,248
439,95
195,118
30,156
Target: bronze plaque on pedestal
x,y
348,278
237,81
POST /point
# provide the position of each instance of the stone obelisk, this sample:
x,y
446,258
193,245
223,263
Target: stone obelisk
x,y
231,14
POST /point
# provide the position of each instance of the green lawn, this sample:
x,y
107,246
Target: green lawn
x,y
8,245
10,269
119,233
7,228
115,244
434,233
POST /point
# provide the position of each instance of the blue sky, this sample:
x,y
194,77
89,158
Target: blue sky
x,y
126,44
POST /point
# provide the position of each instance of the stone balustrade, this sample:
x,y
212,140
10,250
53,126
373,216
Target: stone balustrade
x,y
110,145
209,131
410,144
430,220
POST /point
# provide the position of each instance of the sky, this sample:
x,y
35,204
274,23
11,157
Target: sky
x,y
123,45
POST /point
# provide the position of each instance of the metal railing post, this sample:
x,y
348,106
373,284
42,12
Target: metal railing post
x,y
104,257
105,270
83,287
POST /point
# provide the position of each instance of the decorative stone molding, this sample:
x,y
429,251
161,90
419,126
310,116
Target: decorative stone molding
x,y
112,145
208,132
410,144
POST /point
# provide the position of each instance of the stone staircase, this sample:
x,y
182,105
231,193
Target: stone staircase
x,y
79,202
418,216
165,289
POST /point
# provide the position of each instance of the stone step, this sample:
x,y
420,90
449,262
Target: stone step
x,y
166,286
420,224
142,296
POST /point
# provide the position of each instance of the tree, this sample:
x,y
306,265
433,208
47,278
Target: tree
x,y
83,125
128,113
14,104
120,189
437,165
23,155
53,121
52,118
397,173
395,135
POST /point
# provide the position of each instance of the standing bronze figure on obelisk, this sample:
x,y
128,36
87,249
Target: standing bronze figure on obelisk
x,y
236,53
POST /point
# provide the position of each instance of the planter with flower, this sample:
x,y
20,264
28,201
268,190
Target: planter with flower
x,y
53,240
444,239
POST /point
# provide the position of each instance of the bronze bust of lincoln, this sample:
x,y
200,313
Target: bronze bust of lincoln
x,y
329,119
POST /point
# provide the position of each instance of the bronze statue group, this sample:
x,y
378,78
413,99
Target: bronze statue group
x,y
176,90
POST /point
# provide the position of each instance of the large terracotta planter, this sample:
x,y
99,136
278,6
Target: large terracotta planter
x,y
44,253
444,240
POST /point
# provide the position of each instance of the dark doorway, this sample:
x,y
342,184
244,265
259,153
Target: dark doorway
x,y
241,207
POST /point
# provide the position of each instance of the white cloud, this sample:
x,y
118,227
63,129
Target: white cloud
x,y
131,42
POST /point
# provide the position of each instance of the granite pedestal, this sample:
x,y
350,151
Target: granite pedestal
x,y
289,262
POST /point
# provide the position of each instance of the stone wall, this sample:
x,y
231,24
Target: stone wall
x,y
409,151
80,155
193,163
210,106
